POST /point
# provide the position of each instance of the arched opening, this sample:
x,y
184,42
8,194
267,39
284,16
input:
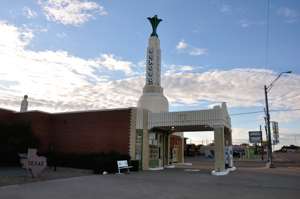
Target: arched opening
x,y
199,149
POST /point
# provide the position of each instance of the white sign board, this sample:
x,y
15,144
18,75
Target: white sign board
x,y
275,130
255,136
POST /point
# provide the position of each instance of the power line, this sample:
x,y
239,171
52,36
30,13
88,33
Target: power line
x,y
255,112
246,113
286,110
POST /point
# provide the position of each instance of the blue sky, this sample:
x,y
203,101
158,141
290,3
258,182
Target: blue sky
x,y
81,55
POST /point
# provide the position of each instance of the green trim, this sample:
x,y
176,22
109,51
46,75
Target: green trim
x,y
154,23
153,163
139,132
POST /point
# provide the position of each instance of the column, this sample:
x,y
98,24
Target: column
x,y
168,148
165,149
231,165
145,150
182,149
219,149
145,141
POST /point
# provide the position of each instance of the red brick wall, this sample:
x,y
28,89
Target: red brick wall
x,y
78,132
175,140
40,124
92,132
6,116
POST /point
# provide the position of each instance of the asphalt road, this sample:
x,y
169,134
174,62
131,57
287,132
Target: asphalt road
x,y
171,183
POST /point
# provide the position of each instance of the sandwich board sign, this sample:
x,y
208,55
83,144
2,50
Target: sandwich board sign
x,y
255,137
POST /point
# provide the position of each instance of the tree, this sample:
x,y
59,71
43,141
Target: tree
x,y
14,139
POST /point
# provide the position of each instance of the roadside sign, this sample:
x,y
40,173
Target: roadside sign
x,y
275,130
255,137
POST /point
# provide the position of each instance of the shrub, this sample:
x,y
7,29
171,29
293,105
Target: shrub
x,y
97,162
135,165
14,139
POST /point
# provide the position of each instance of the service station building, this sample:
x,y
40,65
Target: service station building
x,y
148,133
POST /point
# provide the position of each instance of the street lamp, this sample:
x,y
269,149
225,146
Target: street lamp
x,y
267,89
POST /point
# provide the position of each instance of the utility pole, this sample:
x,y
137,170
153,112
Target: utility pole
x,y
268,128
261,143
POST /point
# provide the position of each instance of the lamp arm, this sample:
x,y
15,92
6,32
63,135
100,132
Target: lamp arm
x,y
272,83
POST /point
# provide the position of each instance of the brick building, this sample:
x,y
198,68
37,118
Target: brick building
x,y
77,132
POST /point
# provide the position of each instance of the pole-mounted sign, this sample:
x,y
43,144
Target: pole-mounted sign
x,y
255,137
275,130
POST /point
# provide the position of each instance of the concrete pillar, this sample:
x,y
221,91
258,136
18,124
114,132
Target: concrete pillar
x,y
132,137
219,149
182,150
168,147
229,140
145,141
165,149
145,150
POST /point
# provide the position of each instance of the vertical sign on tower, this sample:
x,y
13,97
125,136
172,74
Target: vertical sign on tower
x,y
153,98
149,73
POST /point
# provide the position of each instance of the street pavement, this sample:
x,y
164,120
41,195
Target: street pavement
x,y
168,184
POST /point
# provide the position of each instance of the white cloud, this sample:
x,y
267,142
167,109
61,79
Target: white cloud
x,y
59,81
187,68
285,116
289,14
111,63
245,23
198,51
225,8
184,47
29,13
240,135
71,12
238,87
181,45
61,35
54,80
179,69
13,38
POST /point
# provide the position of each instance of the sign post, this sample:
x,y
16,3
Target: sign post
x,y
261,145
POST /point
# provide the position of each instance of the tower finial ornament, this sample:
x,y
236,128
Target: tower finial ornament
x,y
154,23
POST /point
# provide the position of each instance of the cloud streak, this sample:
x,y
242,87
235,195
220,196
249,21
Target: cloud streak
x,y
29,13
183,47
226,8
288,14
245,23
71,12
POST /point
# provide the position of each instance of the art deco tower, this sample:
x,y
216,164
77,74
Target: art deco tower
x,y
153,98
